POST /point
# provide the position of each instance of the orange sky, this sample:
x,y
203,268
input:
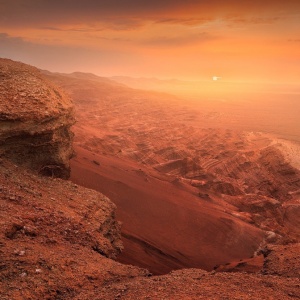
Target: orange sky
x,y
237,40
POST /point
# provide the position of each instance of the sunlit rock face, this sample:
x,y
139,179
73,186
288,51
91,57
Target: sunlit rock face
x,y
35,120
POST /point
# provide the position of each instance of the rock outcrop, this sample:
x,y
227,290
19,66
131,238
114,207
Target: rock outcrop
x,y
35,120
55,237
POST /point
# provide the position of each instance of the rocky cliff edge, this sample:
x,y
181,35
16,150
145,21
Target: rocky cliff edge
x,y
35,120
56,238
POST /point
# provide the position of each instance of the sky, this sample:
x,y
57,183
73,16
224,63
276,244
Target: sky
x,y
257,41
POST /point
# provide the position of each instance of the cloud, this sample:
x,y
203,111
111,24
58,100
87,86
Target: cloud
x,y
178,40
5,38
185,21
128,14
62,58
104,24
254,20
121,14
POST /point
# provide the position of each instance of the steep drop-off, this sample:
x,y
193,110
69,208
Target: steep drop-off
x,y
155,155
122,135
166,225
57,238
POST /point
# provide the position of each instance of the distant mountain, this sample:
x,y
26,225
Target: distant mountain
x,y
208,88
147,81
162,85
85,76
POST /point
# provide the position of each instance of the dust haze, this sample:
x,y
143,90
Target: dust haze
x,y
189,164
149,149
266,107
180,180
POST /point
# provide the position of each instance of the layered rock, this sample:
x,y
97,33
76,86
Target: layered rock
x,y
35,120
57,239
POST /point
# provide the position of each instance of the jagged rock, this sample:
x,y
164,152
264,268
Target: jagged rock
x,y
35,120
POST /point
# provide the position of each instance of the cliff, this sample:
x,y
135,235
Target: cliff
x,y
35,120
58,240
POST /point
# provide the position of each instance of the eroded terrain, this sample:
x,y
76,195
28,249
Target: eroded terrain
x,y
59,240
155,155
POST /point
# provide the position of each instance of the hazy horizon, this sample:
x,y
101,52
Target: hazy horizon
x,y
192,41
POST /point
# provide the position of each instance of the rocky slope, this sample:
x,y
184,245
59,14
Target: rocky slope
x,y
58,240
57,237
197,153
35,120
166,225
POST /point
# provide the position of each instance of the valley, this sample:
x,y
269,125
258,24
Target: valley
x,y
188,179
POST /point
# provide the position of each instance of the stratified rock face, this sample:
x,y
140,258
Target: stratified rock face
x,y
35,120
57,239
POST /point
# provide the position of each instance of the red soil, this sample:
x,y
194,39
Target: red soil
x,y
57,238
166,225
185,176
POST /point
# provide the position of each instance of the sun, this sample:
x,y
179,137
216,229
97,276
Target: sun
x,y
216,78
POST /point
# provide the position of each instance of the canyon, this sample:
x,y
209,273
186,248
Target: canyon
x,y
212,206
184,178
